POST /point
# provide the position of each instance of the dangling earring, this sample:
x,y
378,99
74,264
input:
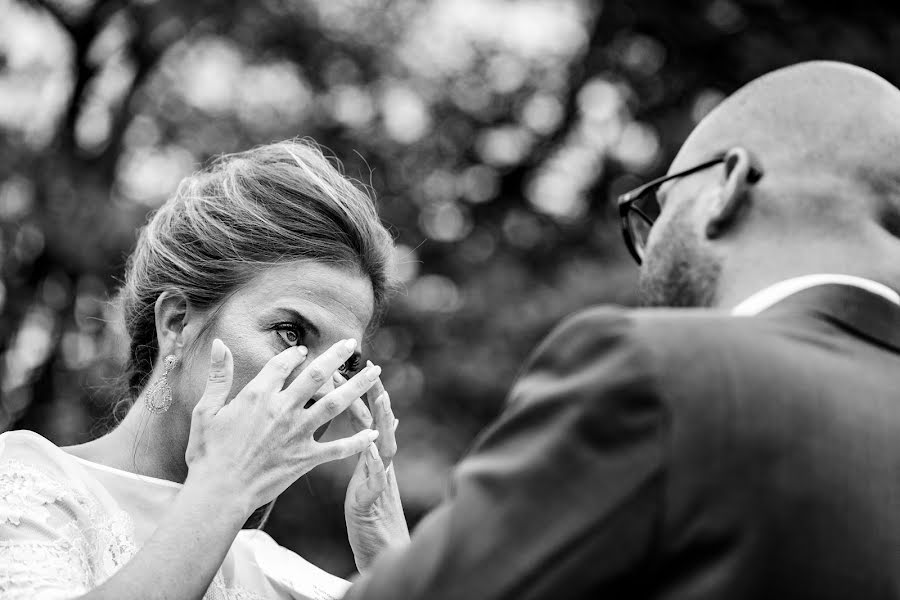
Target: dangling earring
x,y
159,397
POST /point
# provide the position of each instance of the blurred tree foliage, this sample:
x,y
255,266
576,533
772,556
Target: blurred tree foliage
x,y
495,134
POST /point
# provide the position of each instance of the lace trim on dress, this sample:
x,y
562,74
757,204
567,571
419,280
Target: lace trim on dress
x,y
26,491
239,593
87,551
62,568
219,591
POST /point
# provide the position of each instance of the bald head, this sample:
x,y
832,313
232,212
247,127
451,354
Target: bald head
x,y
826,135
831,113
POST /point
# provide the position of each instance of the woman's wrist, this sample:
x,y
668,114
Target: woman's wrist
x,y
229,500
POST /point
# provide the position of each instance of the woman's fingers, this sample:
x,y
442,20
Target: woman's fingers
x,y
360,417
376,478
338,400
219,378
346,447
376,390
385,423
319,371
275,372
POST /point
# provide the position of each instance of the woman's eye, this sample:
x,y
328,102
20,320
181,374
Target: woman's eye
x,y
349,368
289,335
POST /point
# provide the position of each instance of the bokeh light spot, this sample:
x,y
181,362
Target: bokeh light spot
x,y
445,222
504,146
542,113
434,293
638,146
479,183
406,117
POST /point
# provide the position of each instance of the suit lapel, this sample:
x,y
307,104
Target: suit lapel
x,y
866,314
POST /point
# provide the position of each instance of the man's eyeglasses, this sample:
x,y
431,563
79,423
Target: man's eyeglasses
x,y
639,208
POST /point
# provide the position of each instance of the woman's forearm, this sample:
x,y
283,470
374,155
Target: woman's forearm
x,y
241,454
183,555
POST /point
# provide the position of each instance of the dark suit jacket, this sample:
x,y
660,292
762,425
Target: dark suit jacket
x,y
681,454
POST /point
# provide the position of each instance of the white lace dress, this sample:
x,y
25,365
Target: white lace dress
x,y
67,524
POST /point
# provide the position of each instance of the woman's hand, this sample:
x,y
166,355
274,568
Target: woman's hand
x,y
372,506
240,455
260,442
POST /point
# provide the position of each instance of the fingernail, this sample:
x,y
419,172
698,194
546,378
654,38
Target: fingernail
x,y
349,345
373,435
372,373
337,379
302,350
369,363
396,424
373,451
386,402
217,353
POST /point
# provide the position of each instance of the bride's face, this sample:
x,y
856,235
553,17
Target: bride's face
x,y
302,303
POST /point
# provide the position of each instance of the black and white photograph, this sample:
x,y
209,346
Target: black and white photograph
x,y
449,300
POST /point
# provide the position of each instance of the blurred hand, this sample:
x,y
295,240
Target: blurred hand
x,y
260,442
372,507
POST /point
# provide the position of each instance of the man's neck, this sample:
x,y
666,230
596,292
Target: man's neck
x,y
760,268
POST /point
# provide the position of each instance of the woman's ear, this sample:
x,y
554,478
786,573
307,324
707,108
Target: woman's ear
x,y
733,195
171,311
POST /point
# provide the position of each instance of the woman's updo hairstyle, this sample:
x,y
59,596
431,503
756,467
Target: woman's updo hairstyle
x,y
274,204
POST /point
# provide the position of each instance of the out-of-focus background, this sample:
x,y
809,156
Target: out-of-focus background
x,y
495,133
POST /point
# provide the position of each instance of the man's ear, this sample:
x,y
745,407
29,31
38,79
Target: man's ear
x,y
733,195
171,311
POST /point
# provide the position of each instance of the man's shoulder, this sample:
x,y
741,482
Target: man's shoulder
x,y
647,352
673,331
665,331
686,353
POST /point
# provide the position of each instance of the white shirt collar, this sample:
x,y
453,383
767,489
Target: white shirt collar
x,y
774,294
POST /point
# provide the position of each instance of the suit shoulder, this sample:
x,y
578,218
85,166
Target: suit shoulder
x,y
675,355
687,360
604,323
590,355
663,335
589,334
600,316
702,327
707,365
705,338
